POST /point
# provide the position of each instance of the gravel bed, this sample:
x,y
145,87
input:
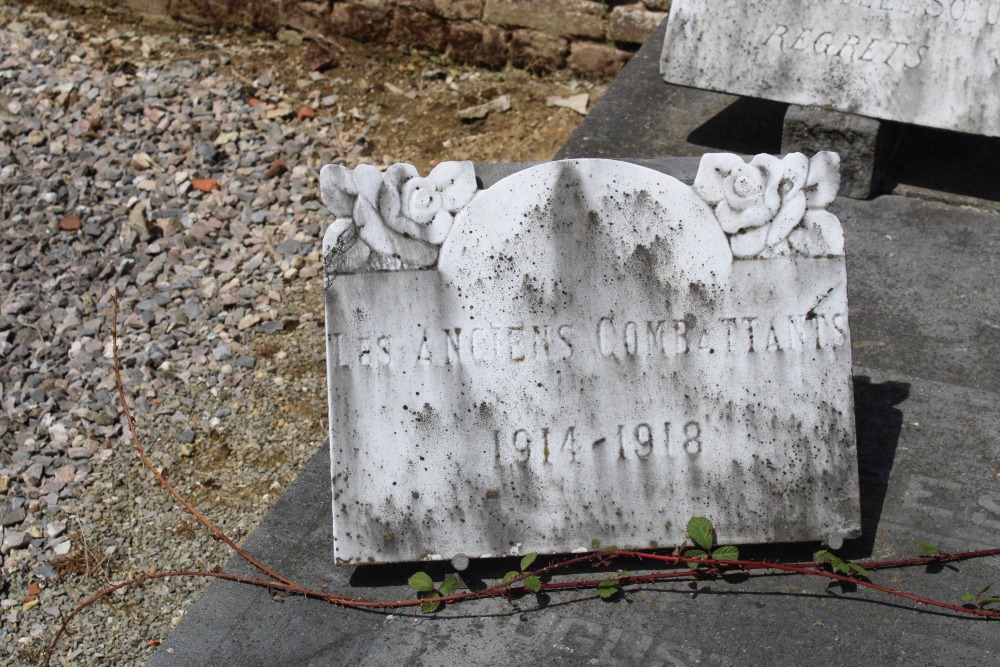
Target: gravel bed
x,y
150,163
181,168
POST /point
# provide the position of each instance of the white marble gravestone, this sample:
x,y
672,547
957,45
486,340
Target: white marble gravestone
x,y
585,355
926,62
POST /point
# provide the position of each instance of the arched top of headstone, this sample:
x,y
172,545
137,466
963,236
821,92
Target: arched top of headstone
x,y
565,219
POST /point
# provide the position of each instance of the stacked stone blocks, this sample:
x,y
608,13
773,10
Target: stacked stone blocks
x,y
592,37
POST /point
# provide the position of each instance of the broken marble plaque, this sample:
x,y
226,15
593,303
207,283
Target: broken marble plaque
x,y
585,355
926,62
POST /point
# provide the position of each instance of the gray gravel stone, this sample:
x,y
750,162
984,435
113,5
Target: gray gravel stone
x,y
246,361
11,516
269,327
14,539
115,126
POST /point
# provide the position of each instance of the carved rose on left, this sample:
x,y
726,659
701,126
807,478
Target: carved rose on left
x,y
398,215
773,206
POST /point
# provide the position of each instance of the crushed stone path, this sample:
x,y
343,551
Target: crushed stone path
x,y
154,164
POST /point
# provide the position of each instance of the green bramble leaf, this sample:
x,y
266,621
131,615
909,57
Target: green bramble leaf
x,y
432,605
699,529
927,549
608,588
533,583
985,601
422,582
967,597
726,553
859,570
449,585
695,553
823,556
511,576
984,589
836,563
527,561
622,575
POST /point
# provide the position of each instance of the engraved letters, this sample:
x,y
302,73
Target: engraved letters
x,y
369,352
614,339
878,49
645,338
847,47
625,442
982,12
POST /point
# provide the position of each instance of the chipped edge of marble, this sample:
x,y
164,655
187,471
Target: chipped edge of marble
x,y
397,220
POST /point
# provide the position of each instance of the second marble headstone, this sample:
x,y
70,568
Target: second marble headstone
x,y
926,62
585,355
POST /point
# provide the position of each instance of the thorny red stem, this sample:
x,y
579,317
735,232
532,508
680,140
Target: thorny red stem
x,y
216,533
707,567
819,570
927,560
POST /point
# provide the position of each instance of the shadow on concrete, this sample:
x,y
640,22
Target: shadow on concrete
x,y
950,162
963,164
485,572
878,423
748,126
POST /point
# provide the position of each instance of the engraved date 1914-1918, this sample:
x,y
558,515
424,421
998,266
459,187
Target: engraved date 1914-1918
x,y
638,441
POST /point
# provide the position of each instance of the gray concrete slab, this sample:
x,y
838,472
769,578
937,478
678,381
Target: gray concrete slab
x,y
925,320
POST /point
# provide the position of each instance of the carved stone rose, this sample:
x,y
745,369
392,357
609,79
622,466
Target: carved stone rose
x,y
399,214
424,208
772,206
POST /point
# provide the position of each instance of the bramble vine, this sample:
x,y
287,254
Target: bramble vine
x,y
424,585
531,582
700,530
699,560
839,565
979,598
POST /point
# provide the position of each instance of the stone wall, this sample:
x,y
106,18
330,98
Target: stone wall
x,y
592,37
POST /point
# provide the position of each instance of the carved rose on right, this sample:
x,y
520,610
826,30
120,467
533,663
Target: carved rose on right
x,y
774,206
